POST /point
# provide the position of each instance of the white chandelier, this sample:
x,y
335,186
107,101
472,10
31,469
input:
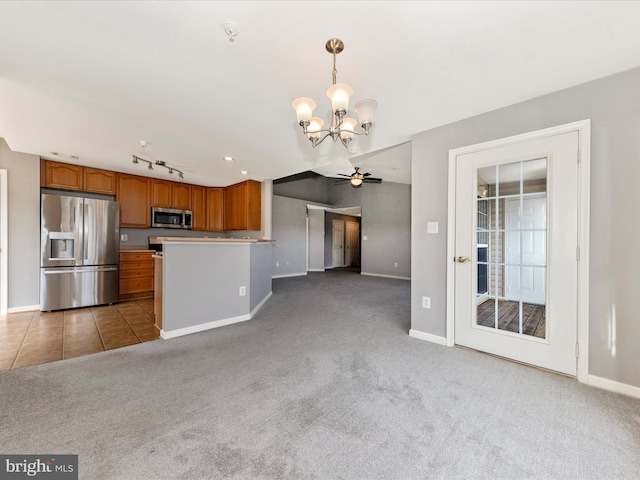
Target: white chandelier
x,y
339,93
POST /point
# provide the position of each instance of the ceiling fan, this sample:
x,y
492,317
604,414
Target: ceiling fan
x,y
357,179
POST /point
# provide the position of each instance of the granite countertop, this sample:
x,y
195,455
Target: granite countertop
x,y
135,248
214,240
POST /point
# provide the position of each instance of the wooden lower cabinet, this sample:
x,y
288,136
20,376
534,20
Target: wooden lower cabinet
x,y
136,274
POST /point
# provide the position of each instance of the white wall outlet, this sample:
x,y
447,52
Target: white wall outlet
x,y
124,237
432,227
364,237
243,291
426,302
277,263
395,264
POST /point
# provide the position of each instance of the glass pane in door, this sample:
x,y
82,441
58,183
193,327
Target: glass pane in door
x,y
511,247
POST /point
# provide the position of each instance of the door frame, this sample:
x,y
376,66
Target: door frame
x,y
583,128
4,244
333,245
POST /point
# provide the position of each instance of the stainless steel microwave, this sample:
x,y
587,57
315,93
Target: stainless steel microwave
x,y
171,218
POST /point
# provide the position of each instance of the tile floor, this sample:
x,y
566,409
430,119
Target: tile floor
x,y
33,338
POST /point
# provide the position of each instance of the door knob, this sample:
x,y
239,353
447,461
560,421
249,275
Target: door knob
x,y
462,259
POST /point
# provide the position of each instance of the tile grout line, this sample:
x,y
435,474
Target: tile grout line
x,y
127,322
64,323
95,322
15,359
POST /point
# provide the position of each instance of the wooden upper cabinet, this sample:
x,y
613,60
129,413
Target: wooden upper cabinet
x,y
181,196
161,193
199,207
215,209
243,206
61,175
99,181
134,194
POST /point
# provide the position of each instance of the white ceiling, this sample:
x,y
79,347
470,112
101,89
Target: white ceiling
x,y
93,78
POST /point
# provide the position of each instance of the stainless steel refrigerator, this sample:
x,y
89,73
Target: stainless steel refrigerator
x,y
80,242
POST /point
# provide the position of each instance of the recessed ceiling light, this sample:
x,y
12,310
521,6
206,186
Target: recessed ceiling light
x,y
229,159
243,172
65,155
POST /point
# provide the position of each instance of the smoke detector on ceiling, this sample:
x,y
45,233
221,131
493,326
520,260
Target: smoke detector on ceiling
x,y
231,29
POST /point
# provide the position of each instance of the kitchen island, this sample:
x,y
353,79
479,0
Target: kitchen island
x,y
211,282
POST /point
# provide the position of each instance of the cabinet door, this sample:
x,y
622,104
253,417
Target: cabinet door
x,y
243,206
161,193
199,207
99,181
62,175
215,206
232,206
134,195
254,205
181,196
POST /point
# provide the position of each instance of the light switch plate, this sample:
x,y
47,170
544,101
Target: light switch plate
x,y
432,227
426,302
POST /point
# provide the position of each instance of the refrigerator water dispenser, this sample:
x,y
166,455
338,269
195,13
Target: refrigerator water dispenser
x,y
62,245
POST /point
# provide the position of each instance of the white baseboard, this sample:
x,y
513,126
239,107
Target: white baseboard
x,y
204,326
315,269
259,306
384,276
290,275
428,337
24,308
613,386
214,324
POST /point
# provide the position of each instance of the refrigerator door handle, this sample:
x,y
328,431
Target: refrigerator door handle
x,y
79,270
85,243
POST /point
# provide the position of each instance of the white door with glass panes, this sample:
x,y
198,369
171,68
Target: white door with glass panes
x,y
516,230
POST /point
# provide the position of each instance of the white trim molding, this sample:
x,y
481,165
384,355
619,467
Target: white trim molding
x,y
4,244
262,302
24,308
315,270
583,127
302,274
384,276
428,337
613,386
179,332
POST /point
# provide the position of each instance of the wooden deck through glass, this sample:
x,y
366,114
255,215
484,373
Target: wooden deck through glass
x,y
533,317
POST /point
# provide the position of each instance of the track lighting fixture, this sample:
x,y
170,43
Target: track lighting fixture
x,y
160,163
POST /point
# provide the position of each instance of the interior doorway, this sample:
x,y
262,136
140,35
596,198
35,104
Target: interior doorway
x,y
337,255
519,216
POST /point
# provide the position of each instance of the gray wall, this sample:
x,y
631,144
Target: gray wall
x,y
201,283
314,189
316,239
386,222
260,271
290,234
612,105
23,178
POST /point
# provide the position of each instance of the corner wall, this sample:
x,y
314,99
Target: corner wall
x,y
386,223
611,104
23,184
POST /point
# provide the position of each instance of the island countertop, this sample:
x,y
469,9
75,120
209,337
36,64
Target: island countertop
x,y
213,240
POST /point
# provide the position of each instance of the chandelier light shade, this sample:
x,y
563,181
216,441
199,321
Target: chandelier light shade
x,y
339,93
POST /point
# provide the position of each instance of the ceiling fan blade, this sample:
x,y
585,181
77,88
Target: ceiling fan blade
x,y
366,174
372,180
342,180
343,175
